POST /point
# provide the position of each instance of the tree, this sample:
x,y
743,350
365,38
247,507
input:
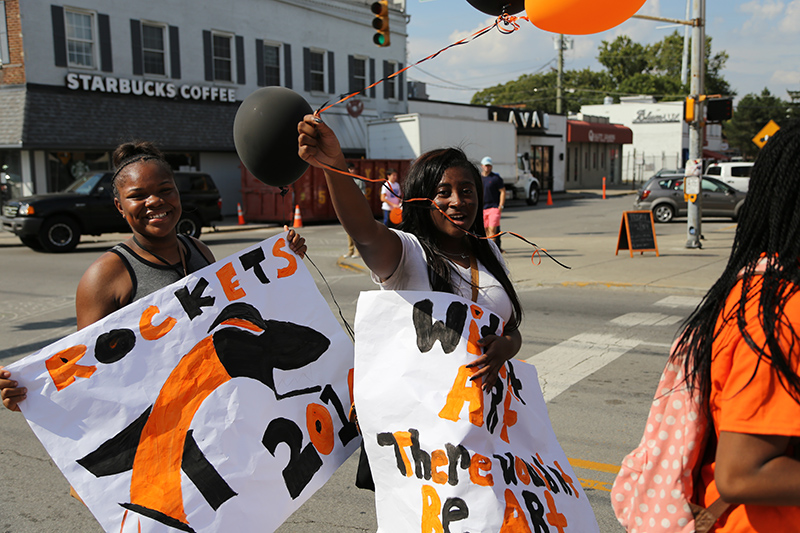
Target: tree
x,y
629,68
752,113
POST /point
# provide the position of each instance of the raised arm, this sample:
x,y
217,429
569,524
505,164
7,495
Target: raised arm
x,y
379,247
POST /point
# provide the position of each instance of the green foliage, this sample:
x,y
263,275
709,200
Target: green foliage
x,y
629,68
752,113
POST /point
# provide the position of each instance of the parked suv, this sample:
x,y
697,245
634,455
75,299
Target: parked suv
x,y
734,173
54,222
663,196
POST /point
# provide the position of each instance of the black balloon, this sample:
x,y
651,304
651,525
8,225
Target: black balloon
x,y
495,7
265,135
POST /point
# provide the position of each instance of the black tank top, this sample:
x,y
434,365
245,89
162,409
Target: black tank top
x,y
148,277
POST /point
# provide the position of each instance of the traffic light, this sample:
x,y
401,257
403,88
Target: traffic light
x,y
381,22
719,109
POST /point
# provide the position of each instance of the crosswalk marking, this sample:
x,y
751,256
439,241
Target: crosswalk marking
x,y
567,363
679,301
646,319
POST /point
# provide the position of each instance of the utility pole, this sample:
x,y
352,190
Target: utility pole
x,y
686,43
560,78
694,224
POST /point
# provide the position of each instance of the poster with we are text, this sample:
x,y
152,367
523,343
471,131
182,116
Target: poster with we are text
x,y
446,456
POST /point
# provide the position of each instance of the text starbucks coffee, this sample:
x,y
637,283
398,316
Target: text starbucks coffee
x,y
156,89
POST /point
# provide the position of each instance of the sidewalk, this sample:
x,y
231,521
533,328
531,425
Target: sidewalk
x,y
592,261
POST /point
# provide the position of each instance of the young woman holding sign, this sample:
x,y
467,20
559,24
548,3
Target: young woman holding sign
x,y
155,256
439,245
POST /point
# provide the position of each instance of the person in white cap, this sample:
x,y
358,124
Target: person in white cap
x,y
494,199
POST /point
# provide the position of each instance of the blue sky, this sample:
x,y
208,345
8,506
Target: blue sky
x,y
762,38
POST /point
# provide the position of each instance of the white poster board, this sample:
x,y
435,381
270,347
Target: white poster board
x,y
218,403
446,457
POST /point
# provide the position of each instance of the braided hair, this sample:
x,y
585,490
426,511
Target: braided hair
x,y
768,232
421,182
129,153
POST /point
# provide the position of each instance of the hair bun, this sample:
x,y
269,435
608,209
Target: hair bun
x,y
126,151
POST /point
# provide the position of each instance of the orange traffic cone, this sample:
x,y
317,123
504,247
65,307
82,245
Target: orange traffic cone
x,y
298,220
549,198
239,212
604,187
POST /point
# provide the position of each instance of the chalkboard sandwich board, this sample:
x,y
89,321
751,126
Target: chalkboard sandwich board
x,y
636,232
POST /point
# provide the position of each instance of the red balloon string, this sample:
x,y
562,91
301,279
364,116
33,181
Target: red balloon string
x,y
505,24
537,249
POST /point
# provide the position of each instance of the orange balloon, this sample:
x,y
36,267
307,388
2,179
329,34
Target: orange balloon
x,y
580,17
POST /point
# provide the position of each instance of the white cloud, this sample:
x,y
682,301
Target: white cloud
x,y
791,20
769,9
786,77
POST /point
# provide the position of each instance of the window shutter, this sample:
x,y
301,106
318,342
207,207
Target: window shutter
x,y
287,65
136,47
306,69
372,76
240,60
207,59
4,54
175,52
351,79
104,32
401,81
59,36
260,62
386,87
331,74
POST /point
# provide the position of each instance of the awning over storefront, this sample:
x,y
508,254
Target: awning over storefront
x,y
56,118
718,156
579,131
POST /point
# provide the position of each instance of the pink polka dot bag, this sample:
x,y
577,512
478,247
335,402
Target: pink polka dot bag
x,y
652,491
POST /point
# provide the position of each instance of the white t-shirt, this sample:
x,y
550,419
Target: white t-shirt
x,y
392,192
412,275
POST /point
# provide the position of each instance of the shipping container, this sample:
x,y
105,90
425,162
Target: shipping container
x,y
265,203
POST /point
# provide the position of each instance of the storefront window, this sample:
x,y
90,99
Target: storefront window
x,y
541,165
66,167
10,175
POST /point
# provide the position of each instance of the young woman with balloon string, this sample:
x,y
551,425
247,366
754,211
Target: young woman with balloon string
x,y
155,256
440,244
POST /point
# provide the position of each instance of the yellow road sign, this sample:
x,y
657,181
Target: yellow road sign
x,y
766,132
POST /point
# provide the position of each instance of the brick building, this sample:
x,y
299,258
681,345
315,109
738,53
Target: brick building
x,y
77,79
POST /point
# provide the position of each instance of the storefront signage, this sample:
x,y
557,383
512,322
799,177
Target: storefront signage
x,y
156,89
595,137
648,117
522,120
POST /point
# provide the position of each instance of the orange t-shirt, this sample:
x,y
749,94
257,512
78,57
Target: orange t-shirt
x,y
746,399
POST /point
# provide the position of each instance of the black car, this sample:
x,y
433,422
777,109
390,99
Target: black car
x,y
54,222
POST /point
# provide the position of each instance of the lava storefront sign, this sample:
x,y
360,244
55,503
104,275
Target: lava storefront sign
x,y
155,89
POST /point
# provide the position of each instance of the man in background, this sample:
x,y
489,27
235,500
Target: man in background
x,y
494,199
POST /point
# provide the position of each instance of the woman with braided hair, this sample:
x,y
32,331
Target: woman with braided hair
x,y
742,351
155,256
440,244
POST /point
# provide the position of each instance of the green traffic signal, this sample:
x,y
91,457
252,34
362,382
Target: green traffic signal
x,y
381,22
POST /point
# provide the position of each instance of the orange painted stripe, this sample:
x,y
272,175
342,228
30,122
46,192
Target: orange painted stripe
x,y
156,476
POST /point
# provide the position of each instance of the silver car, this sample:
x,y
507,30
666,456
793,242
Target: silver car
x,y
663,195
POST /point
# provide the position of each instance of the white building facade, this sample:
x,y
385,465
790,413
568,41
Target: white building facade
x,y
77,79
660,136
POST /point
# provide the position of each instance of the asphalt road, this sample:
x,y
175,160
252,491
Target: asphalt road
x,y
613,315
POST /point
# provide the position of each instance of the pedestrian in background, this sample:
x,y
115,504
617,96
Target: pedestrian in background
x,y
390,195
494,199
351,246
742,352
